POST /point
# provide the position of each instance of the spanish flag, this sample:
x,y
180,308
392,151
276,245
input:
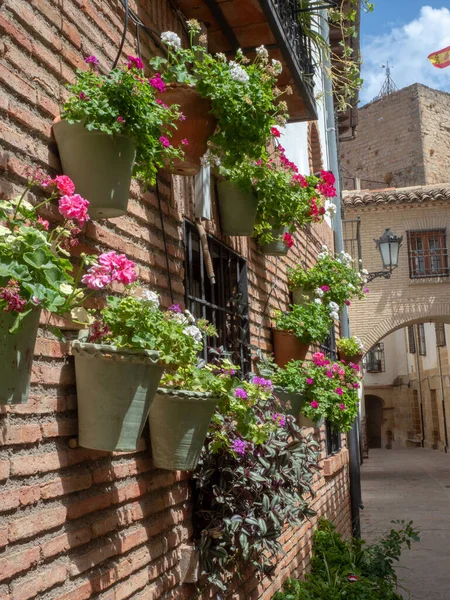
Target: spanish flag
x,y
441,58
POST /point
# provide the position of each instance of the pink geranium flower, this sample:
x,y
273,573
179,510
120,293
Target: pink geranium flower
x,y
185,142
97,277
309,381
339,391
325,288
120,267
157,83
135,62
314,404
65,185
74,208
164,141
342,406
43,223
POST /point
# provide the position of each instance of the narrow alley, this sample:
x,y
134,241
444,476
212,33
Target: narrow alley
x,y
412,484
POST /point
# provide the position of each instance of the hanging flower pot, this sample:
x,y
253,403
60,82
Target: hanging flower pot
x,y
99,164
115,389
296,402
16,357
277,247
355,358
237,209
196,128
287,347
179,421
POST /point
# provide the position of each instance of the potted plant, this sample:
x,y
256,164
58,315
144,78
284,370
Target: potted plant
x,y
297,328
240,96
112,127
119,364
333,279
350,349
331,390
35,275
181,414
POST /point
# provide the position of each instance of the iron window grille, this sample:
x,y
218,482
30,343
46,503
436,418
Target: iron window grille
x,y
411,340
351,230
440,335
375,359
421,339
428,254
224,304
333,437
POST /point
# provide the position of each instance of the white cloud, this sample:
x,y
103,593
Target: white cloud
x,y
407,48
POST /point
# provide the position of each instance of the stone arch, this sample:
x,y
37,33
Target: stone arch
x,y
314,148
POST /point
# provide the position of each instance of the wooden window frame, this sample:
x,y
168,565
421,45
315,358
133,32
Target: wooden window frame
x,y
441,340
411,340
422,260
421,339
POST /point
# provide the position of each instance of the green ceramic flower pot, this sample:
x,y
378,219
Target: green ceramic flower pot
x,y
16,357
296,401
100,165
277,247
237,209
179,422
115,389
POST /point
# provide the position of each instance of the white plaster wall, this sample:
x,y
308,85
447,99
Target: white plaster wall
x,y
395,361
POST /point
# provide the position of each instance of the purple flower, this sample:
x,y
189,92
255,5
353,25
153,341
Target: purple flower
x,y
366,290
309,381
240,393
342,406
314,404
175,308
339,391
262,382
325,288
239,446
230,372
280,419
135,62
91,60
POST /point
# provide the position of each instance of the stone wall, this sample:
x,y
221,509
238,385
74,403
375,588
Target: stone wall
x,y
402,141
76,523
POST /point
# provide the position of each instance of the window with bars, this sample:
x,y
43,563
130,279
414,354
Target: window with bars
x,y
411,340
351,230
333,438
225,303
427,252
375,360
421,339
440,335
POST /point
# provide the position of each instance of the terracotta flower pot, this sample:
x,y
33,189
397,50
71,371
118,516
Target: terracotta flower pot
x,y
237,209
355,358
287,347
197,128
100,165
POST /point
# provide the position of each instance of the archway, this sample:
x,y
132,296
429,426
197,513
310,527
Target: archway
x,y
374,420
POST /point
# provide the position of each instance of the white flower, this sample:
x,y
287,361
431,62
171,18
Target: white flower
x,y
334,315
277,66
262,52
4,231
189,316
179,317
194,332
210,159
334,306
330,208
151,297
318,300
238,73
324,248
65,289
171,39
365,272
221,56
318,292
322,255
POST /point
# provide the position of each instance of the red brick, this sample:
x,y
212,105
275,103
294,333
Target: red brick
x,y
29,495
60,428
10,30
90,504
38,463
30,120
66,541
52,375
111,472
4,469
90,559
66,485
11,564
79,593
3,536
47,105
20,434
37,522
29,588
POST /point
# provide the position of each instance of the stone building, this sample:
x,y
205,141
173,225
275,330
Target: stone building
x,y
76,523
403,140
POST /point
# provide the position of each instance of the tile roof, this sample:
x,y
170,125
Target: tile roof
x,y
407,195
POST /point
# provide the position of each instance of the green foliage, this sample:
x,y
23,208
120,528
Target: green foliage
x,y
247,490
138,322
309,323
124,103
244,98
290,378
334,559
350,346
335,272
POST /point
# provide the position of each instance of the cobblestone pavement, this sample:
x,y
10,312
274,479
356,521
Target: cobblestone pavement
x,y
412,484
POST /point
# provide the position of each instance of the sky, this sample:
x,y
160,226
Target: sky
x,y
404,32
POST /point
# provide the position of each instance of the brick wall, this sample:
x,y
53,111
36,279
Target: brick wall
x,y
402,141
77,523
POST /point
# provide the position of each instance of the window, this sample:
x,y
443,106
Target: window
x,y
440,335
329,345
411,340
333,438
351,230
375,362
224,304
427,251
421,338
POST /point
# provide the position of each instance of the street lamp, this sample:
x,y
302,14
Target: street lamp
x,y
389,245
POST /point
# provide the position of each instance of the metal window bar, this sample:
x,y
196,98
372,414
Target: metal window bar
x,y
351,230
333,438
422,340
427,253
411,340
375,359
224,304
441,341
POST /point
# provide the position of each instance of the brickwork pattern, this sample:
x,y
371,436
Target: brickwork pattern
x,y
402,141
76,523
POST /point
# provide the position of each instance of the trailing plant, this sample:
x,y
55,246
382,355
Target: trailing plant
x,y
243,94
351,569
332,279
309,323
350,346
136,321
331,390
251,480
124,102
35,270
